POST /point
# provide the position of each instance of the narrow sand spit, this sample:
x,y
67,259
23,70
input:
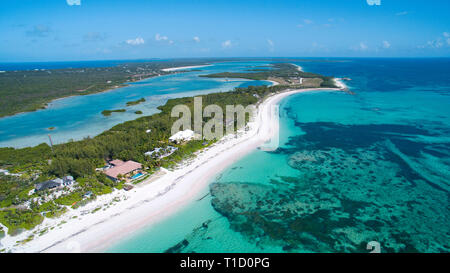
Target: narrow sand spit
x,y
183,67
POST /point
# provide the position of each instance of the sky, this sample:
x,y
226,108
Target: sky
x,y
70,30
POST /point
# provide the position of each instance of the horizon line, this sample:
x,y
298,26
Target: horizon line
x,y
225,58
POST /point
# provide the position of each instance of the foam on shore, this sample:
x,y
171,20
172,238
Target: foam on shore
x,y
340,84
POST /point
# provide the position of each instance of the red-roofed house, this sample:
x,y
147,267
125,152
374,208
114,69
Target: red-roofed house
x,y
125,169
116,162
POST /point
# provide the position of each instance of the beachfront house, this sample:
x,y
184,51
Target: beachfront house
x,y
47,185
182,136
122,169
68,180
55,183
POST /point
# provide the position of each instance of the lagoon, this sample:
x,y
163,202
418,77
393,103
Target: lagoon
x,y
77,117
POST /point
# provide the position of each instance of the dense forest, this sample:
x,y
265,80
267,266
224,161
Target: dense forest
x,y
29,90
126,141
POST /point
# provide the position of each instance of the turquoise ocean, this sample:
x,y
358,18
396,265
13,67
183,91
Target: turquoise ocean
x,y
77,117
350,169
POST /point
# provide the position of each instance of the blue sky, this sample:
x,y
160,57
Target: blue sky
x,y
58,30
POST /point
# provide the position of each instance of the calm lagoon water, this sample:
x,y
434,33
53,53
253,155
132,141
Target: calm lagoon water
x,y
374,166
80,116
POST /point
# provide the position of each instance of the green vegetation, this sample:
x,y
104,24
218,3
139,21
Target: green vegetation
x,y
125,141
283,71
138,112
135,102
29,90
15,219
108,112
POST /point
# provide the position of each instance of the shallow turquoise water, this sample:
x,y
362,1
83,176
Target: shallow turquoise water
x,y
80,116
374,166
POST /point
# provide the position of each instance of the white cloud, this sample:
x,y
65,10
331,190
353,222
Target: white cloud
x,y
196,39
137,41
439,42
158,37
386,44
401,13
435,43
73,2
363,46
226,44
271,45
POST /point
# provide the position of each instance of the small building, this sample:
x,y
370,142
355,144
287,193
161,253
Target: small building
x,y
68,180
125,169
55,183
47,185
182,136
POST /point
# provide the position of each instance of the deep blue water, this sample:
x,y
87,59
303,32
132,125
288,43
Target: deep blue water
x,y
350,169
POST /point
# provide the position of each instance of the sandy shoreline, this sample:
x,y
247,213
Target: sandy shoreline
x,y
299,68
273,82
90,229
183,67
340,84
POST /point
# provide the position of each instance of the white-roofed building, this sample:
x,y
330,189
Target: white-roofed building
x,y
182,136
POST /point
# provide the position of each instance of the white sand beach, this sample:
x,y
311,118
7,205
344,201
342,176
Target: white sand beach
x,y
183,67
94,227
340,83
299,68
273,82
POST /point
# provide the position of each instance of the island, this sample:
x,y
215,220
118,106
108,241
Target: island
x,y
109,112
136,102
282,73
